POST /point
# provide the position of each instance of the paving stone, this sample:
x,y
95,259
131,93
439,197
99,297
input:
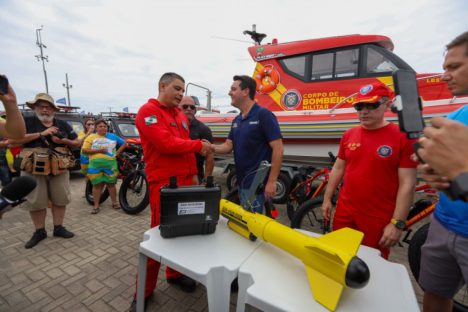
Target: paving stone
x,y
95,270
36,295
102,306
15,298
94,285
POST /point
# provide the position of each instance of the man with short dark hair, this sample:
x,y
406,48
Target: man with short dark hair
x,y
169,151
444,265
255,136
198,131
44,130
374,161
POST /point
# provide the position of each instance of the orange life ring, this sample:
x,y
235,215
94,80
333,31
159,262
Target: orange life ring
x,y
267,79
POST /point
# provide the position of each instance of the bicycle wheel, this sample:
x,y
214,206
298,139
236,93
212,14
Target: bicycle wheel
x,y
460,302
293,199
308,216
134,193
89,193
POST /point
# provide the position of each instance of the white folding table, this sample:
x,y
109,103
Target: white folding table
x,y
213,260
273,280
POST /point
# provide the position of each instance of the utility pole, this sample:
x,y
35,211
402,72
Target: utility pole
x,y
41,56
68,87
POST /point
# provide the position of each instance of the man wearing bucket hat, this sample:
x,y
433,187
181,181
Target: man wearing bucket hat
x,y
374,162
45,131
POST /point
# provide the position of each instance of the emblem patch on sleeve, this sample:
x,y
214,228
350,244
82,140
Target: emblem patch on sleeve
x,y
151,120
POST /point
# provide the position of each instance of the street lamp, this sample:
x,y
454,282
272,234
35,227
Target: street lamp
x,y
68,87
41,56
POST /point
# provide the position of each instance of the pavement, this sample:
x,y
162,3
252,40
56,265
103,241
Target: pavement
x,y
95,270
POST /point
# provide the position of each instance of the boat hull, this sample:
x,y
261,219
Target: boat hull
x,y
308,136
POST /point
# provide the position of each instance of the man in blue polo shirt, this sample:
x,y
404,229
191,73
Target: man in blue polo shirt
x,y
255,136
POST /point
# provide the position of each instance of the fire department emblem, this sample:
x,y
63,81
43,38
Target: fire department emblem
x,y
384,151
291,99
366,89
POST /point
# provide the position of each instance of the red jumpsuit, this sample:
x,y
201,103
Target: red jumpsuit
x,y
367,197
168,151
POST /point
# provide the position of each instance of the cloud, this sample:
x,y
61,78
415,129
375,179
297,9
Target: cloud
x,y
115,51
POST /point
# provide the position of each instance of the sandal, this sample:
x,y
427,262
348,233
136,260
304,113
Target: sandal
x,y
95,210
116,206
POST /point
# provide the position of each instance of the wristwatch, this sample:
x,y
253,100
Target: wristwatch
x,y
399,224
459,186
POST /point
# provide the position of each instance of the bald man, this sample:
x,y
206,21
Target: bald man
x,y
198,131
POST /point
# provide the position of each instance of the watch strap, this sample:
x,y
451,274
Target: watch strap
x,y
459,187
399,224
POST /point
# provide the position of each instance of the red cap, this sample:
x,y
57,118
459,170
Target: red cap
x,y
372,93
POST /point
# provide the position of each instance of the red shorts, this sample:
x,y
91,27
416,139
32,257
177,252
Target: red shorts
x,y
372,227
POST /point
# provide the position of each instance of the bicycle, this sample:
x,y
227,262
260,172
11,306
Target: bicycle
x,y
308,216
134,191
304,186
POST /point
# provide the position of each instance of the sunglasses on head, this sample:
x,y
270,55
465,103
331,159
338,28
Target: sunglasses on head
x,y
186,106
369,106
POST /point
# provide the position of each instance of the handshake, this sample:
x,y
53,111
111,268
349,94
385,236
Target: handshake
x,y
207,148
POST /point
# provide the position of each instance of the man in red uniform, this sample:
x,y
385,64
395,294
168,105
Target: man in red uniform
x,y
169,151
374,161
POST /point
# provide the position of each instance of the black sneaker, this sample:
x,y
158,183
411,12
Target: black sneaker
x,y
61,231
133,305
184,282
38,235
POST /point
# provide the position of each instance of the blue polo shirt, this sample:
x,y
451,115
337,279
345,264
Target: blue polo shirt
x,y
453,214
251,137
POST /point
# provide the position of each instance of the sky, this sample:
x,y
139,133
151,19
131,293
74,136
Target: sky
x,y
115,51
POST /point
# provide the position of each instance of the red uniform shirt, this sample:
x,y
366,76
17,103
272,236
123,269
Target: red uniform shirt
x,y
370,183
165,138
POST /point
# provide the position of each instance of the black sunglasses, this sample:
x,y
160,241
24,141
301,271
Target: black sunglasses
x,y
185,106
369,106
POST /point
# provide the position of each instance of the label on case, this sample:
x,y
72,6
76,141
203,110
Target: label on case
x,y
189,208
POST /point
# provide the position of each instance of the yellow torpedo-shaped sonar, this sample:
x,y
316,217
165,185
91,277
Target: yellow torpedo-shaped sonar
x,y
330,260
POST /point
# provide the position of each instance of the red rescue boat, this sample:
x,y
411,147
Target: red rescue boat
x,y
310,86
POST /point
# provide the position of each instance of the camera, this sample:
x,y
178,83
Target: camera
x,y
3,85
60,134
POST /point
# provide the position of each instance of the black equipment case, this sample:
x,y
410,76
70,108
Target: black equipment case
x,y
189,210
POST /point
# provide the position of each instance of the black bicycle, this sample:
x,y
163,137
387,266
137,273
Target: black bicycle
x,y
134,190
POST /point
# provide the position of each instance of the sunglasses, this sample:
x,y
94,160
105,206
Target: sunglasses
x,y
90,124
370,106
186,106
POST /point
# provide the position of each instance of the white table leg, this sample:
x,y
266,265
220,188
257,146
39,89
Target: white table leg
x,y
218,289
141,282
244,281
